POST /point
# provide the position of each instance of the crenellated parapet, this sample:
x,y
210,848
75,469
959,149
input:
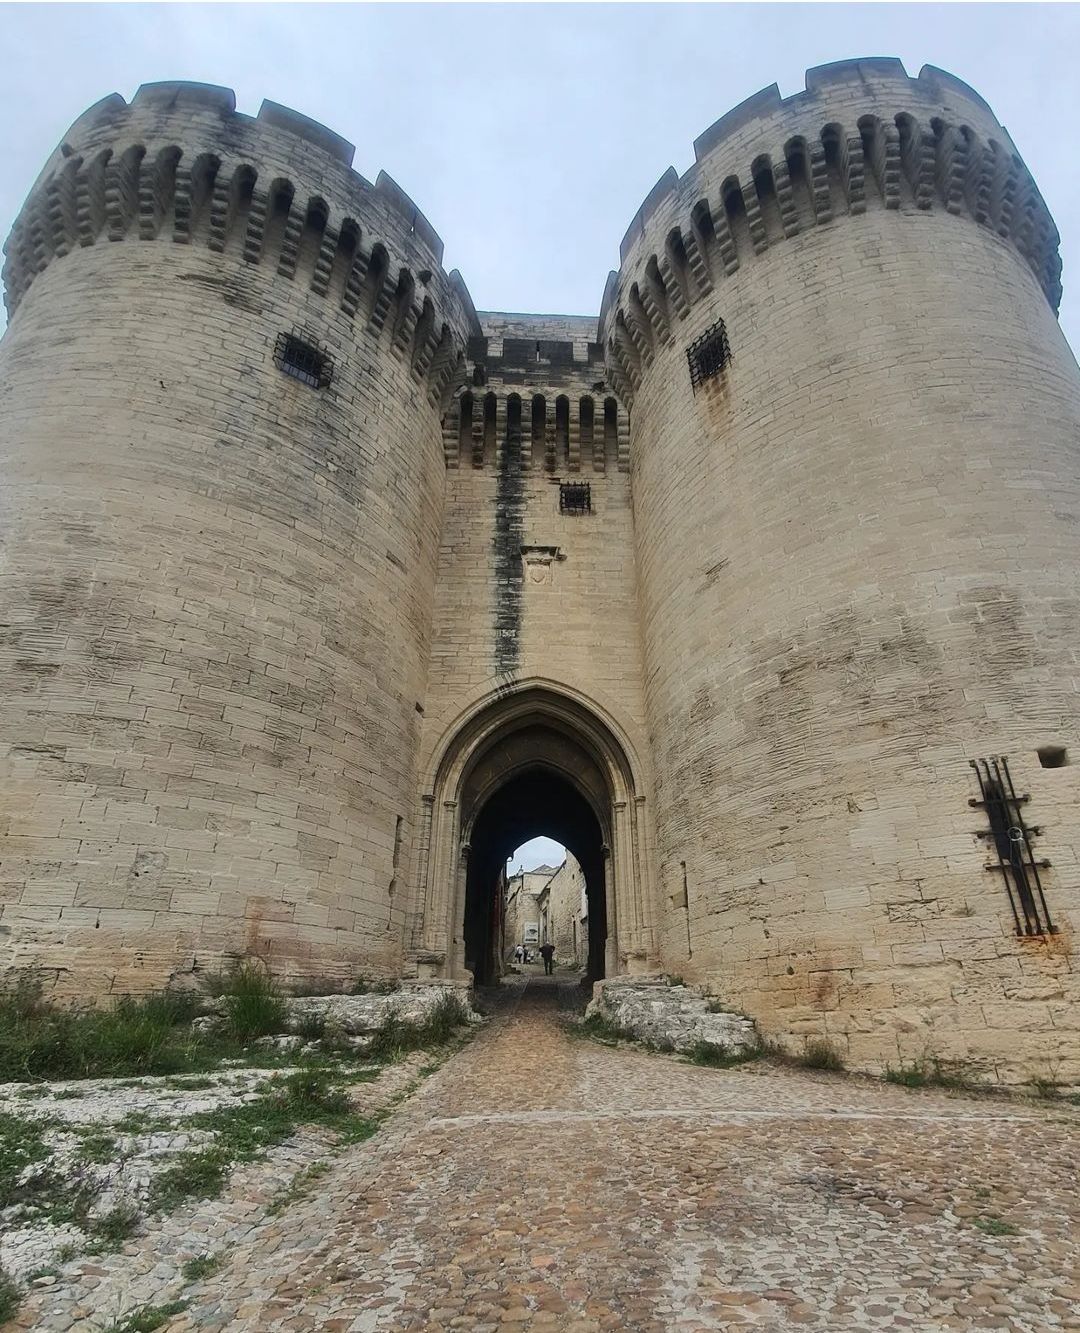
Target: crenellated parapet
x,y
542,380
276,191
863,136
558,431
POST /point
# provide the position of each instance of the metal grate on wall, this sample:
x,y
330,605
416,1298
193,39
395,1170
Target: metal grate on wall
x,y
708,355
1012,841
575,497
303,360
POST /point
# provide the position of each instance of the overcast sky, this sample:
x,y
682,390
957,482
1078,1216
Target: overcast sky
x,y
530,134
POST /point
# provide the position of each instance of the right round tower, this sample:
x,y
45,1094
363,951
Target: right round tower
x,y
856,485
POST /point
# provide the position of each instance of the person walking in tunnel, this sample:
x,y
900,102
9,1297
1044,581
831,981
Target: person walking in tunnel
x,y
547,952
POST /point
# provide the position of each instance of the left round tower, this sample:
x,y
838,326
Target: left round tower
x,y
220,400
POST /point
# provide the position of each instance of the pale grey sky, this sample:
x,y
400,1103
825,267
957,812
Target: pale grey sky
x,y
536,852
530,134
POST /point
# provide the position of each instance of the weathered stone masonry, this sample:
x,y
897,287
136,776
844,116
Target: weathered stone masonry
x,y
258,639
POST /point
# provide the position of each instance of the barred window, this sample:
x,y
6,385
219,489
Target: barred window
x,y
575,497
708,355
304,361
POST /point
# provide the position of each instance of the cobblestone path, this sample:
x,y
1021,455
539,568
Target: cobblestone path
x,y
543,1181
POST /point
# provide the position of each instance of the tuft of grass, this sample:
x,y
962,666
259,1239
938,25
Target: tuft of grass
x,y
254,1006
298,1188
722,1057
819,1053
931,1072
97,1146
22,1142
994,1226
1049,1089
10,1297
193,1175
954,1076
203,1265
312,1027
141,1122
367,986
601,1028
109,1231
396,1038
190,1083
907,1076
149,1318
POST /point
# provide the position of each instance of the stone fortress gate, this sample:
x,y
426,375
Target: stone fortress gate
x,y
321,591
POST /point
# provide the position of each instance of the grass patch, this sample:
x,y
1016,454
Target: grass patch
x,y
133,1038
203,1265
712,1056
149,1318
39,1040
933,1073
10,1297
994,1226
244,1133
45,1195
820,1054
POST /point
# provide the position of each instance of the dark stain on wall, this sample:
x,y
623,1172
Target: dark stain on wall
x,y
509,529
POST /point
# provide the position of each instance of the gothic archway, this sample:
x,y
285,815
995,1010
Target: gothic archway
x,y
535,759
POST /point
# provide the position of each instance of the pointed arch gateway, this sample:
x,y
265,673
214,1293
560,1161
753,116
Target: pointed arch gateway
x,y
538,759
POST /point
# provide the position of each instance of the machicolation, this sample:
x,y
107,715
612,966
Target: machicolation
x,y
323,591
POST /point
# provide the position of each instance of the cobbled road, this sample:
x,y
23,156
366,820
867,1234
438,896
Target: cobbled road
x,y
540,1180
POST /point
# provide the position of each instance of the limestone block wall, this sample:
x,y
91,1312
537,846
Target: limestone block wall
x,y
857,549
568,913
216,579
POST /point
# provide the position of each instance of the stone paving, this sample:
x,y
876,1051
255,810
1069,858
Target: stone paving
x,y
539,1180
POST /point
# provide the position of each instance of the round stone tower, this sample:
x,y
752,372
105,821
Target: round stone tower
x,y
221,392
856,491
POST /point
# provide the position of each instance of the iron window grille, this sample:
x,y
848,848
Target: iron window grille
x,y
708,355
1012,841
304,361
575,497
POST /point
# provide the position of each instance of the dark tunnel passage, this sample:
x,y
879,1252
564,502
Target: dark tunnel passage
x,y
534,803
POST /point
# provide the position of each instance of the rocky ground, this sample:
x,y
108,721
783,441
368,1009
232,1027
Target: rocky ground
x,y
91,1156
542,1180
